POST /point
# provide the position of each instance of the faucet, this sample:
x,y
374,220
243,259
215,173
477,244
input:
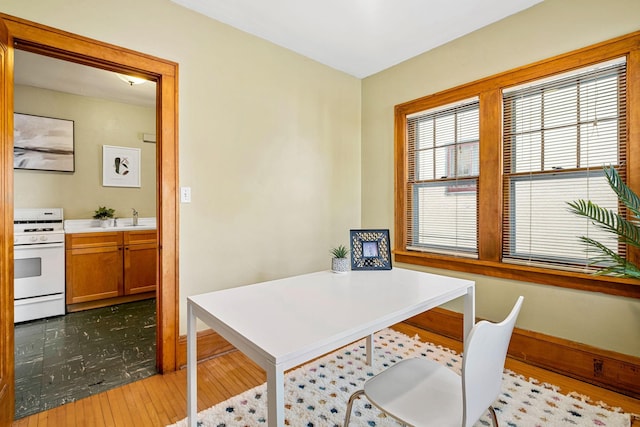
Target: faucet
x,y
135,216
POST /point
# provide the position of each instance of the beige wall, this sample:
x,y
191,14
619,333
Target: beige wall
x,y
547,29
97,122
269,141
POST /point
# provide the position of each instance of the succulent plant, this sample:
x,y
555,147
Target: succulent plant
x,y
339,251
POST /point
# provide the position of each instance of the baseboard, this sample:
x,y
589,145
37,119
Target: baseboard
x,y
107,302
607,369
209,344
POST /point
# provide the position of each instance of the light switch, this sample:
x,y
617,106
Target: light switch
x,y
185,194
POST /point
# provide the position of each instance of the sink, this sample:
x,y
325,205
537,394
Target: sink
x,y
93,226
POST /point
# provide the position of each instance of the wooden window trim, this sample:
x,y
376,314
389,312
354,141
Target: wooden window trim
x,y
490,182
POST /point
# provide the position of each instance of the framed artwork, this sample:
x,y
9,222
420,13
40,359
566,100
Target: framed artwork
x,y
370,250
120,166
43,143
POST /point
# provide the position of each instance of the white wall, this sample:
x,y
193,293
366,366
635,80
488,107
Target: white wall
x,y
97,122
550,28
269,141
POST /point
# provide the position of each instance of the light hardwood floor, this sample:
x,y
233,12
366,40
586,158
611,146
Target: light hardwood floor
x,y
161,399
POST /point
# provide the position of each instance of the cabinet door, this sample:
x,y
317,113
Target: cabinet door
x,y
94,273
140,268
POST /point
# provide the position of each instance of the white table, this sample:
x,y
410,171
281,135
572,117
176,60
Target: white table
x,y
283,323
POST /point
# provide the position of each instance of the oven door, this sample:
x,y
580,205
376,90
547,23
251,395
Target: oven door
x,y
38,270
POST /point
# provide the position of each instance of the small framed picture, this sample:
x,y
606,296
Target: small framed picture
x,y
370,250
120,166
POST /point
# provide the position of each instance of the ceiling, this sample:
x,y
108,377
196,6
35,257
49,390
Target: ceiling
x,y
31,69
359,37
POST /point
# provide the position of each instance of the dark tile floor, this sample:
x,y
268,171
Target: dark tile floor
x,y
65,358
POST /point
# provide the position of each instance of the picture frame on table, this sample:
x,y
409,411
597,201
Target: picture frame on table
x,y
370,250
43,143
120,166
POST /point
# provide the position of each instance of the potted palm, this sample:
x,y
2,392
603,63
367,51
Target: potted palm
x,y
104,214
340,262
627,230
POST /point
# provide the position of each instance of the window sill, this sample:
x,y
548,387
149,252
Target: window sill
x,y
567,279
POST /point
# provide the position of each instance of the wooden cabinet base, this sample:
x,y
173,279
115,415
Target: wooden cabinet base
x,y
109,301
111,267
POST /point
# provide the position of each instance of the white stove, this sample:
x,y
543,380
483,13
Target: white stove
x,y
39,264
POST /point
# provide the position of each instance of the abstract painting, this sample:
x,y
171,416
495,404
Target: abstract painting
x,y
43,143
120,166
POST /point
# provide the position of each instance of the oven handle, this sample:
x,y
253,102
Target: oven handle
x,y
39,246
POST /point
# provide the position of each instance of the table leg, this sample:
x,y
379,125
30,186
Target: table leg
x,y
469,313
369,349
192,369
275,396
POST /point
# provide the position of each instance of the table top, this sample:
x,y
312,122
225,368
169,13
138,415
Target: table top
x,y
291,320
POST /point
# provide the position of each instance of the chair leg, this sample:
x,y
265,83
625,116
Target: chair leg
x,y
353,397
494,419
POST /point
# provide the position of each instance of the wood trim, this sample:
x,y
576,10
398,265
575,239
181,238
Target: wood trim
x,y
168,219
208,344
633,135
614,371
490,211
60,44
489,234
110,301
607,369
7,374
566,279
401,176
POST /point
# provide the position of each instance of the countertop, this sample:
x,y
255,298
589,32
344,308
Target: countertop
x,y
94,225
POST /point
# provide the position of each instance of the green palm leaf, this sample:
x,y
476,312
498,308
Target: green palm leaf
x,y
627,230
626,196
614,264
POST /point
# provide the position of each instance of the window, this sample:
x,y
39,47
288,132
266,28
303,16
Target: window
x,y
558,134
484,171
443,177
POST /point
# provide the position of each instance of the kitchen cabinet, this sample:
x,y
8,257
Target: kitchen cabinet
x,y
139,261
106,268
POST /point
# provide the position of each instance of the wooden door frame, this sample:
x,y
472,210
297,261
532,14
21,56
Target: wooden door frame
x,y
7,374
56,43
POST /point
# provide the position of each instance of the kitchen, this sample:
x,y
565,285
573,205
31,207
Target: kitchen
x,y
67,200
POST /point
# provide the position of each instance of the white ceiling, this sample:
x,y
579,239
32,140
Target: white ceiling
x,y
31,69
359,37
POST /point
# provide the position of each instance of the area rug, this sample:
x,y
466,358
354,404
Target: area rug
x,y
316,394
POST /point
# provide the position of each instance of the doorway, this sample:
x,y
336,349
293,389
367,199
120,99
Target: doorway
x,y
62,358
48,41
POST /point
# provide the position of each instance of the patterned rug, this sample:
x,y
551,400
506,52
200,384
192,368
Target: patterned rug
x,y
316,393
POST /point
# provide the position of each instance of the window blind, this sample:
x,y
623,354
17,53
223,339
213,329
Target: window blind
x,y
443,169
559,133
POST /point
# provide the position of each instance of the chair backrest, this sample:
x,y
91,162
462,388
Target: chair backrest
x,y
483,364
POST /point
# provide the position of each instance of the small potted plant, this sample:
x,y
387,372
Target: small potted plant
x,y
104,214
340,262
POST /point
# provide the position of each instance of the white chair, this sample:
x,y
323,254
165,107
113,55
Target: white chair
x,y
421,392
